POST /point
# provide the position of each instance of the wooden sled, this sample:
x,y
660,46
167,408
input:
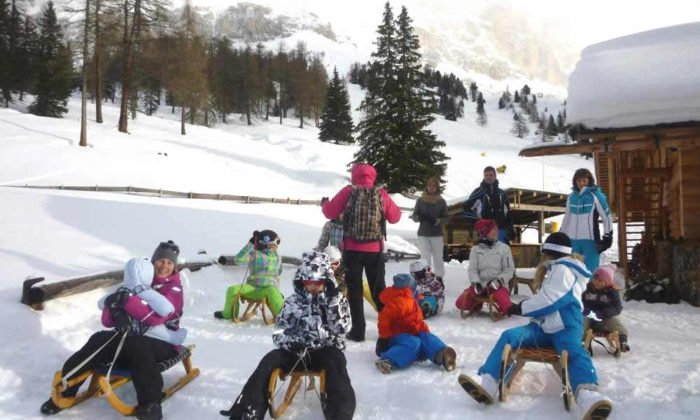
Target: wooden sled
x,y
513,361
277,408
100,387
251,309
489,301
613,339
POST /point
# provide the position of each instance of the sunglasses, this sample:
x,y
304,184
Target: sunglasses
x,y
313,283
335,264
422,273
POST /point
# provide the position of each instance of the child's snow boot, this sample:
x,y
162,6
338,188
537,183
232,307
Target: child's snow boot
x,y
595,405
219,315
484,388
447,357
149,411
624,345
384,365
49,407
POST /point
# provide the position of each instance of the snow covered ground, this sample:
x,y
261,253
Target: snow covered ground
x,y
59,235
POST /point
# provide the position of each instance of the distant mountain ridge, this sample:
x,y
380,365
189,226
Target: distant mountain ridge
x,y
494,42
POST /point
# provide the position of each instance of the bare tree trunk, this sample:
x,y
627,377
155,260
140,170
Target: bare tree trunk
x,y
247,113
301,116
83,93
128,43
98,60
182,121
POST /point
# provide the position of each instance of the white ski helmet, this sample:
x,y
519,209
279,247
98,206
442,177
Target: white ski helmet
x,y
419,265
333,253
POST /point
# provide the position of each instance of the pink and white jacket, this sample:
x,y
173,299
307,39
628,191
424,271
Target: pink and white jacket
x,y
363,175
157,303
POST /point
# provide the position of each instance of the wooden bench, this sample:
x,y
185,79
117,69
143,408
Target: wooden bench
x,y
479,301
512,361
99,386
277,408
251,309
613,339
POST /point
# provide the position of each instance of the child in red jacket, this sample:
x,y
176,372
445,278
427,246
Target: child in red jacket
x,y
404,337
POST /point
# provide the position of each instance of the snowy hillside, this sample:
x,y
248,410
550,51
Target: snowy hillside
x,y
61,235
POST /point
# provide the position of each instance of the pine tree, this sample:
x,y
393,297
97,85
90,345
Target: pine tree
x,y
398,107
551,129
5,59
520,128
336,122
55,68
473,88
501,103
561,122
525,91
481,118
516,97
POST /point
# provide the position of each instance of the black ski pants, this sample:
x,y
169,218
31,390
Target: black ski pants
x,y
340,396
373,265
139,354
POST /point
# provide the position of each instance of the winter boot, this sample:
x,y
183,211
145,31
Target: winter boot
x,y
484,388
149,411
384,365
355,336
49,407
624,346
219,315
593,404
427,310
447,357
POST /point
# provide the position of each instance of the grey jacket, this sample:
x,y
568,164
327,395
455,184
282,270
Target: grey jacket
x,y
430,215
487,263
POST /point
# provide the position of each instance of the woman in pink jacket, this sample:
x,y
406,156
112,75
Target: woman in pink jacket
x,y
145,313
365,209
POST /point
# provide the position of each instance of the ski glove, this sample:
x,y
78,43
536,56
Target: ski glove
x,y
324,200
382,346
605,242
495,284
254,238
515,309
115,305
296,348
478,288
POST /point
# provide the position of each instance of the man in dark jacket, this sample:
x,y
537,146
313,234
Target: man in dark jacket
x,y
490,202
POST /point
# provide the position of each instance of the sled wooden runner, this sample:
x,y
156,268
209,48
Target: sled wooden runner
x,y
277,408
512,361
613,339
99,387
251,309
479,301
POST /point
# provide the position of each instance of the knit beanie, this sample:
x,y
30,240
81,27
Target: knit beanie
x,y
606,273
557,245
168,250
484,226
404,280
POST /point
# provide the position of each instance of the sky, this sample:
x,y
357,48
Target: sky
x,y
584,22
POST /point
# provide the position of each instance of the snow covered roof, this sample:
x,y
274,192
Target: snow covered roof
x,y
642,79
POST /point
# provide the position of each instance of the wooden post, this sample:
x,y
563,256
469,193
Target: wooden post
x,y
540,227
229,260
35,296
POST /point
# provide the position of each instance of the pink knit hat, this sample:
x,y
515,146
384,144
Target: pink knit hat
x,y
484,226
606,273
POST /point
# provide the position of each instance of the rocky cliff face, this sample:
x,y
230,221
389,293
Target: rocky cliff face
x,y
253,23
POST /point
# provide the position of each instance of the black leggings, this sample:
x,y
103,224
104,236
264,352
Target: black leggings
x,y
340,402
373,265
139,354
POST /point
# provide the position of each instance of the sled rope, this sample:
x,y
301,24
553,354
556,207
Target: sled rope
x,y
604,346
64,379
116,354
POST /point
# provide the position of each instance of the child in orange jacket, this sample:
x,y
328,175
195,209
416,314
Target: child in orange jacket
x,y
404,337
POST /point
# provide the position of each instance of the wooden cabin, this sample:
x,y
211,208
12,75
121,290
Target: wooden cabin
x,y
530,209
643,130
